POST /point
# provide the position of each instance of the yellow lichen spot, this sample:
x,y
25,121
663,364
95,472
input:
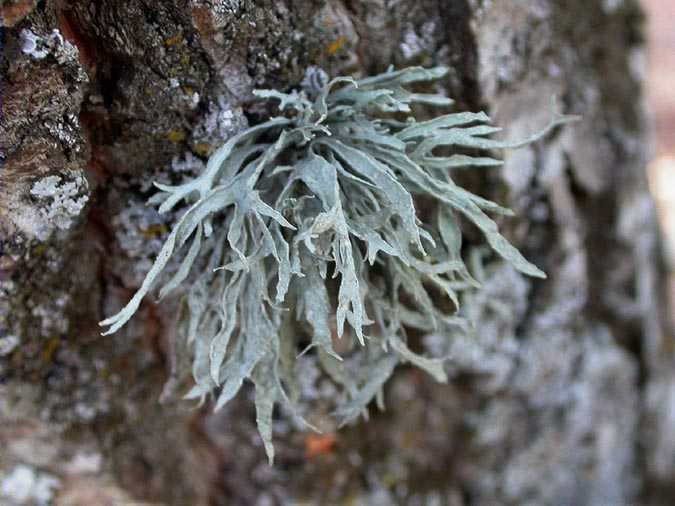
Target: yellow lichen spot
x,y
589,471
202,149
40,250
176,136
351,499
390,480
185,60
189,90
154,231
668,344
172,41
334,47
49,349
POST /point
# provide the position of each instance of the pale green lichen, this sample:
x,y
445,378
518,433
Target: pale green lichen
x,y
327,192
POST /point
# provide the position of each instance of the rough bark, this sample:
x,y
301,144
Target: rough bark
x,y
565,396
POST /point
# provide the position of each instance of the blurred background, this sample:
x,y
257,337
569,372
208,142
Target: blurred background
x,y
661,97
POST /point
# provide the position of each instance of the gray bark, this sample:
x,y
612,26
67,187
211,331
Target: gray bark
x,y
566,395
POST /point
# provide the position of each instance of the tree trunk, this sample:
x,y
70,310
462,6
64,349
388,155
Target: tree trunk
x,y
566,395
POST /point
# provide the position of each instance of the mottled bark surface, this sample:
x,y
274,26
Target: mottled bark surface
x,y
565,397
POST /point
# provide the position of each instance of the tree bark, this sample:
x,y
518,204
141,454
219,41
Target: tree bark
x,y
565,397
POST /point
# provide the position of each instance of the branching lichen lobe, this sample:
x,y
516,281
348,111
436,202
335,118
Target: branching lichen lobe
x,y
327,191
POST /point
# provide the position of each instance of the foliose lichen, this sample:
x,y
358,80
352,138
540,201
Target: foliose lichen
x,y
321,206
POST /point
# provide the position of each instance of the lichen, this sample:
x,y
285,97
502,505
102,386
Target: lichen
x,y
39,47
26,485
8,344
61,202
221,122
323,205
415,44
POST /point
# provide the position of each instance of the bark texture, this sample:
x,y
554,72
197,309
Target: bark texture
x,y
566,396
